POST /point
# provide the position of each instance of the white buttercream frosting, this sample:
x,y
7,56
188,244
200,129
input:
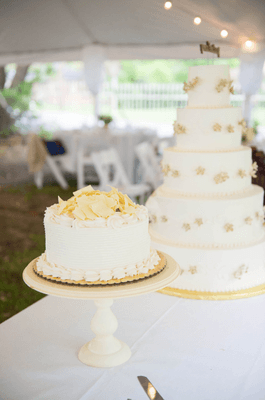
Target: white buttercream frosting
x,y
214,270
77,274
207,215
115,221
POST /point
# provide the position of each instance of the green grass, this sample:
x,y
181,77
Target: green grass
x,y
22,239
15,296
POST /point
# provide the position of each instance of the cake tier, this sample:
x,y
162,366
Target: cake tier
x,y
207,173
97,248
203,222
216,270
208,129
212,89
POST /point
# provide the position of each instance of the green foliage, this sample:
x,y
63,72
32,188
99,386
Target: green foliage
x,y
165,71
255,126
106,118
44,134
19,98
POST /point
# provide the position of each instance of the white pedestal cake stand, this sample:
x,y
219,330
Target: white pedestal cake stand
x,y
104,350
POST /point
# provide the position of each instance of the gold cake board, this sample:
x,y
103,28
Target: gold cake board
x,y
192,294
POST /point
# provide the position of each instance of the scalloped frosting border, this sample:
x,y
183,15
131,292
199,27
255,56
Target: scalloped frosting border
x,y
57,271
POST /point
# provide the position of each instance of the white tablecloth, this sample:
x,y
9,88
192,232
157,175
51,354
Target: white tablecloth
x,y
99,139
189,349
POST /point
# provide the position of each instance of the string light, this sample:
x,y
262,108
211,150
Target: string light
x,y
167,5
224,33
249,45
197,20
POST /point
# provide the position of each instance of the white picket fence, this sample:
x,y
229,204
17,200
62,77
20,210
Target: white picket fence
x,y
157,96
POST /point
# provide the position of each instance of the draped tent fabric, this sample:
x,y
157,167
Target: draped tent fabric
x,y
95,31
93,58
53,30
251,74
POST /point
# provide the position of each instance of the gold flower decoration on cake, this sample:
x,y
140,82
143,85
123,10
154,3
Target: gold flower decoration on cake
x,y
248,220
165,169
217,127
229,227
243,269
191,85
230,129
200,171
242,123
254,170
230,87
175,173
186,227
152,219
220,178
179,129
164,218
221,85
247,133
198,221
259,217
224,83
242,173
193,270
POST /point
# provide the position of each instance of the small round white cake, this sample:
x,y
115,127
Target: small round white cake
x,y
96,236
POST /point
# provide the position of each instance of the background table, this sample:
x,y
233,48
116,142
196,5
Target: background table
x,y
96,139
189,349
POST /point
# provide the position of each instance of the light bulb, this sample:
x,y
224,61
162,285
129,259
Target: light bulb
x,y
224,33
197,20
249,45
167,5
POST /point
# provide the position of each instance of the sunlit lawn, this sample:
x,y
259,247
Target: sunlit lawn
x,y
22,240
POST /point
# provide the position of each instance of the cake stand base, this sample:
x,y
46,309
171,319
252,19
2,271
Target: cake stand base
x,y
87,357
104,350
192,294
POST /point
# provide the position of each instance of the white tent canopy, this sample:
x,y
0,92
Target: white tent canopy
x,y
58,30
94,31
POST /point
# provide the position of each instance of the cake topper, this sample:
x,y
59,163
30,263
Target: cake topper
x,y
210,47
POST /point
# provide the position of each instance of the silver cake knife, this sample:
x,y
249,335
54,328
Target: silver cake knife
x,y
149,389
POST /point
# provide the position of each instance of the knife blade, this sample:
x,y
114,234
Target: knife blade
x,y
149,389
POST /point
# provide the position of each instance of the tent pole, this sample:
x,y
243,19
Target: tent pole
x,y
96,107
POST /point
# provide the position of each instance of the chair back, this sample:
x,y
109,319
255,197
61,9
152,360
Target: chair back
x,y
151,171
109,169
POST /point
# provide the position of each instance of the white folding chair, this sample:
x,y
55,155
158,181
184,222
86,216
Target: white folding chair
x,y
150,169
112,173
39,176
84,165
39,159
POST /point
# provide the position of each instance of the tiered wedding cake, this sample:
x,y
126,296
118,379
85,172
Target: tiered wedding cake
x,y
207,214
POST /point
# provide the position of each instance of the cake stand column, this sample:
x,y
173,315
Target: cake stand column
x,y
104,350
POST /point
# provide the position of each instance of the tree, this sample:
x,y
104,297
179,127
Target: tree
x,y
15,96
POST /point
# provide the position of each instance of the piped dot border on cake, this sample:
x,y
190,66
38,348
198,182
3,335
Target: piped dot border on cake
x,y
127,279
